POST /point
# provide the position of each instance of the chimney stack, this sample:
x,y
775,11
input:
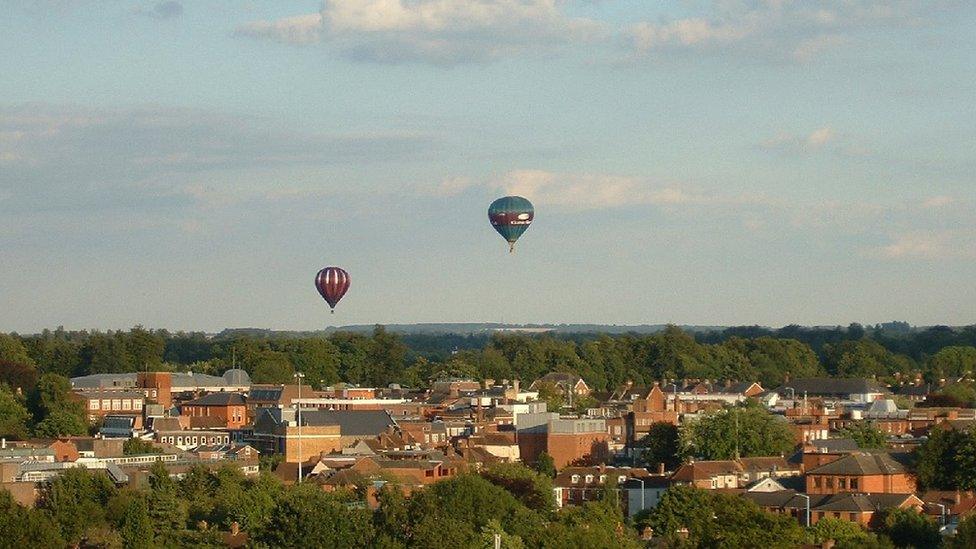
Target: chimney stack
x,y
660,468
235,528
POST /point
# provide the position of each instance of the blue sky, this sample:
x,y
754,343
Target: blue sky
x,y
192,165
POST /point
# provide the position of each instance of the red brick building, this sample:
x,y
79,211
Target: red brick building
x,y
860,473
229,408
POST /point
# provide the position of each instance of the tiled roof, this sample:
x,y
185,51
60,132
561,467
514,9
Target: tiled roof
x,y
831,386
860,464
218,399
702,470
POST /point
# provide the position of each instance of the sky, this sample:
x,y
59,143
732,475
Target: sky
x,y
191,165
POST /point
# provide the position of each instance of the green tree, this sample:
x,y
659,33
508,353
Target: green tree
x,y
167,510
24,527
909,528
76,500
533,489
14,416
128,512
61,423
843,532
18,375
545,465
307,517
144,349
747,431
661,445
940,460
952,362
12,349
137,446
552,395
865,434
56,409
272,367
965,537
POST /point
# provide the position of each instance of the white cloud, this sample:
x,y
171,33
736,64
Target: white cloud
x,y
432,31
816,140
775,29
918,245
590,192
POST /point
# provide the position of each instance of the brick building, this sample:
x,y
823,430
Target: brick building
x,y
229,408
568,441
860,473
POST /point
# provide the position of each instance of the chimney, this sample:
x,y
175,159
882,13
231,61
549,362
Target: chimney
x,y
660,468
235,528
516,385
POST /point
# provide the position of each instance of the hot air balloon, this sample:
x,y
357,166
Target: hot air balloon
x,y
511,216
332,283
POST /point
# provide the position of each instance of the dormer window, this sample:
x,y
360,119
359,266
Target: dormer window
x,y
621,479
589,479
575,479
603,478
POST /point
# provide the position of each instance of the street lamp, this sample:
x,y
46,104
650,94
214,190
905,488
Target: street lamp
x,y
298,418
806,497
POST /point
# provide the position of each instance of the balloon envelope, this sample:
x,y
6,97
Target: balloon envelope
x,y
332,283
511,216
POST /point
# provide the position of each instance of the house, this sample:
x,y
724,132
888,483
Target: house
x,y
577,485
569,383
875,473
229,409
647,408
758,468
100,403
860,508
709,474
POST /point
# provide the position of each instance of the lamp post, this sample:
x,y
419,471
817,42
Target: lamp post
x,y
298,419
942,514
806,497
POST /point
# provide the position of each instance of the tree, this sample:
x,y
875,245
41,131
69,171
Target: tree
x,y
18,375
12,349
939,461
909,528
24,527
865,434
952,362
14,416
56,409
661,445
272,367
128,512
308,517
137,446
76,500
736,432
843,532
552,395
965,537
545,465
61,423
533,489
720,520
166,509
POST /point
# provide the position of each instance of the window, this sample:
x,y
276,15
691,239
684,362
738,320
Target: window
x,y
622,479
106,404
575,479
603,478
816,482
137,404
854,483
93,404
589,479
127,404
830,482
842,483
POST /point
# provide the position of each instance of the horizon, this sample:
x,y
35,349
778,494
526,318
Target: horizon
x,y
193,165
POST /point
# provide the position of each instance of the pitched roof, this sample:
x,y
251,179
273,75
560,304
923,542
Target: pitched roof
x,y
831,445
351,422
218,399
860,502
764,463
782,499
860,464
702,470
830,386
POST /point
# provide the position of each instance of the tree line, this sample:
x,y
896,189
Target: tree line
x,y
604,361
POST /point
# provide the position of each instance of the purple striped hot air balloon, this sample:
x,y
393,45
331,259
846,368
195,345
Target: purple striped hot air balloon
x,y
332,283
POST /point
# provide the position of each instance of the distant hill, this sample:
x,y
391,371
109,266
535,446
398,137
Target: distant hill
x,y
473,328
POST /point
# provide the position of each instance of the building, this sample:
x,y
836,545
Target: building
x,y
568,441
229,409
851,390
874,473
567,382
100,403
